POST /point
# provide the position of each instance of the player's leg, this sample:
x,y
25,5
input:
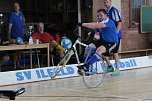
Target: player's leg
x,y
116,57
96,69
54,44
85,58
109,67
94,58
86,64
59,49
100,50
116,71
88,50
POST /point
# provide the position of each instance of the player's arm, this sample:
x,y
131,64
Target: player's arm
x,y
117,17
24,24
9,34
119,26
9,30
23,21
94,25
10,25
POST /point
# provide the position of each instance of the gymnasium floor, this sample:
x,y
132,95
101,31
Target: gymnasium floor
x,y
131,85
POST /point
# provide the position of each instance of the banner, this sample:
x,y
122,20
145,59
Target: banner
x,y
39,74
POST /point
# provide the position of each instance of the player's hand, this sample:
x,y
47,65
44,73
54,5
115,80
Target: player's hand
x,y
80,24
96,36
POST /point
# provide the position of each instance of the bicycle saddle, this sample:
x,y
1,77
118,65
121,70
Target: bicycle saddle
x,y
11,94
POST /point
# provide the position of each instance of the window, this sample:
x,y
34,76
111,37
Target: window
x,y
135,10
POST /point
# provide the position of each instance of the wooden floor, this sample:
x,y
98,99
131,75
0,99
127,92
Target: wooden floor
x,y
131,85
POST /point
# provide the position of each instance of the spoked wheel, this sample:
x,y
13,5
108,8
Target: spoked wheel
x,y
62,63
95,75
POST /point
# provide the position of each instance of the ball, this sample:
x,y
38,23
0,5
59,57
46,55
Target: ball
x,y
19,41
66,43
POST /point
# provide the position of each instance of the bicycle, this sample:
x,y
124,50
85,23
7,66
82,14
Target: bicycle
x,y
91,78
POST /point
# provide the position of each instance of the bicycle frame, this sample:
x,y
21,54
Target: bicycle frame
x,y
67,56
75,50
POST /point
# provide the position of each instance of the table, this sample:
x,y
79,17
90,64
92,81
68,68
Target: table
x,y
29,46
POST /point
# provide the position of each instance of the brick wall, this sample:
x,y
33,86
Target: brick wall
x,y
132,39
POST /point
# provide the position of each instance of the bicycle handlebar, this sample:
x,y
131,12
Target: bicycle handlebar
x,y
82,39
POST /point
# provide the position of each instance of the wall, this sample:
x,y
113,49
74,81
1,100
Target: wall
x,y
95,8
117,4
132,39
5,8
99,4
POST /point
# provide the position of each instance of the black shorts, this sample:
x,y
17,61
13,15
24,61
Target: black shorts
x,y
117,47
110,46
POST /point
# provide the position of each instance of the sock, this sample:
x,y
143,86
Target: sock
x,y
59,47
84,58
94,59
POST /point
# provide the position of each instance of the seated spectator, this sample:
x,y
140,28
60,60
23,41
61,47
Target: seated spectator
x,y
45,37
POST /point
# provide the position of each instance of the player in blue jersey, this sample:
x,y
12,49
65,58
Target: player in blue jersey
x,y
114,15
16,23
106,37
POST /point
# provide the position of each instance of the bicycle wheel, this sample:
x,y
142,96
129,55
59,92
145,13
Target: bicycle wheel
x,y
62,63
95,75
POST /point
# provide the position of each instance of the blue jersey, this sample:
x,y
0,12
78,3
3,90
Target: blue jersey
x,y
101,38
109,33
17,25
114,15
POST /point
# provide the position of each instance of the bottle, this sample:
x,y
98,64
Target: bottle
x,y
30,34
31,40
